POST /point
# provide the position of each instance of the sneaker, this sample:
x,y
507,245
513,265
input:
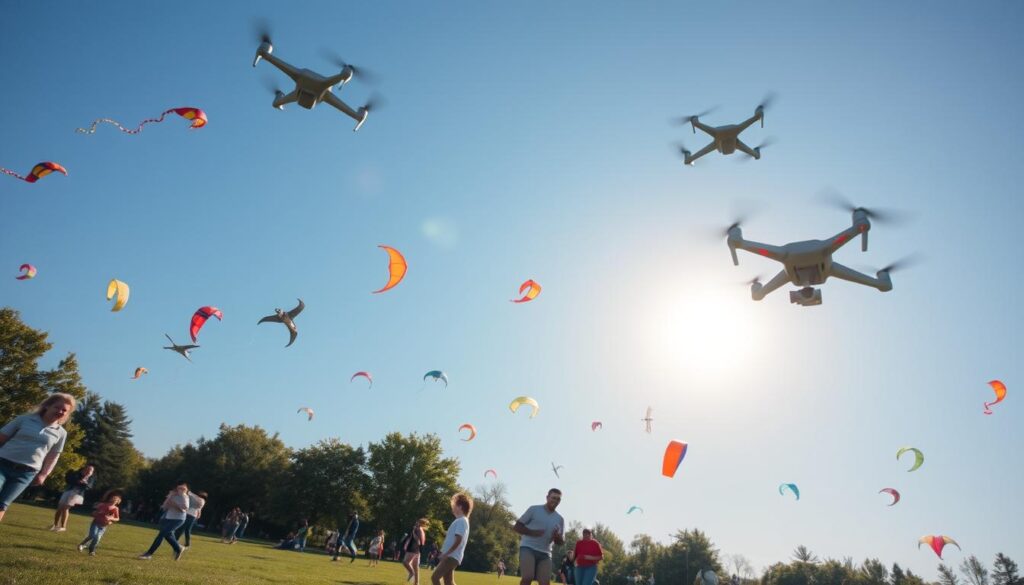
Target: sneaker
x,y
52,527
62,529
145,557
81,547
92,553
178,554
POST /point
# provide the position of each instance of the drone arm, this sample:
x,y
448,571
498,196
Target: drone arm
x,y
844,237
882,283
768,251
281,99
342,78
337,103
759,291
746,149
691,158
285,68
747,123
698,125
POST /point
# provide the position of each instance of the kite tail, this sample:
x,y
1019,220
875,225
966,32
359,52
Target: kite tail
x,y
13,174
92,128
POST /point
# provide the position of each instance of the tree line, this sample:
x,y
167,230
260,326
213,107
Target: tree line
x,y
390,483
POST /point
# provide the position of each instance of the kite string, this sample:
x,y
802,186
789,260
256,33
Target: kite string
x,y
987,405
92,128
12,173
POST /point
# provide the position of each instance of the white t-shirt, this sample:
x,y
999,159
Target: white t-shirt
x,y
195,504
31,440
539,518
173,512
459,527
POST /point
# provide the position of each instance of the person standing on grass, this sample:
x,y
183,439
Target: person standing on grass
x,y
411,550
501,568
231,522
78,482
243,521
376,548
588,554
30,445
541,527
348,538
175,508
300,536
454,541
106,513
196,501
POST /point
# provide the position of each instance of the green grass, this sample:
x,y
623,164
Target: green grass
x,y
32,555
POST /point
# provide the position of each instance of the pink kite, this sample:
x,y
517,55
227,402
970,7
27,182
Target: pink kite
x,y
38,172
29,272
892,492
937,543
534,290
363,374
195,115
199,319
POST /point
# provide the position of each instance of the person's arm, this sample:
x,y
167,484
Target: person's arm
x,y
48,464
4,438
556,534
520,526
458,541
115,515
420,536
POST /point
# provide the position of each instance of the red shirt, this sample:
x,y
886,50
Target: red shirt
x,y
587,547
105,514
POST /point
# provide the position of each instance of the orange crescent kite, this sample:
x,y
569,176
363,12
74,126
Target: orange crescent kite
x,y
530,294
1000,390
396,268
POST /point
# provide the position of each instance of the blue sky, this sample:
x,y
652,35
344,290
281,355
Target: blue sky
x,y
530,140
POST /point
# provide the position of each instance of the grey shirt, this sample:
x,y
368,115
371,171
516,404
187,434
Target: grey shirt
x,y
539,518
31,440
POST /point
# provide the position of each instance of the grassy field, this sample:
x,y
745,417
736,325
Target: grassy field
x,y
32,555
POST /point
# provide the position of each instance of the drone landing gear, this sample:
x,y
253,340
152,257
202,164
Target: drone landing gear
x,y
808,296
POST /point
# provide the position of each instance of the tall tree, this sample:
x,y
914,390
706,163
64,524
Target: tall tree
x,y
107,442
898,577
803,555
491,538
325,482
947,576
974,570
873,572
1004,571
410,479
690,551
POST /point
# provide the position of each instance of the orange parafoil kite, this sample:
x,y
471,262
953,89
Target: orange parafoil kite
x,y
139,372
674,454
1000,390
534,290
471,429
396,268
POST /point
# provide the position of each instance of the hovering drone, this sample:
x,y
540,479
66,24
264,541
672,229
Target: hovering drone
x,y
810,262
311,88
725,139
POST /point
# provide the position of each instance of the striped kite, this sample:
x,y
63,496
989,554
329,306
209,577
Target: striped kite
x,y
199,319
38,172
937,543
534,290
197,116
29,272
674,454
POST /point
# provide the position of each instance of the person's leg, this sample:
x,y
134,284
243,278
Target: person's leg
x,y
543,571
167,532
527,565
99,530
12,483
444,572
186,529
351,544
406,558
586,575
65,511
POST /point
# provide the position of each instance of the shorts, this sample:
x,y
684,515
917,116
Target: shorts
x,y
14,478
70,499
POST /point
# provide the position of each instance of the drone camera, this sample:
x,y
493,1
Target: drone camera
x,y
805,297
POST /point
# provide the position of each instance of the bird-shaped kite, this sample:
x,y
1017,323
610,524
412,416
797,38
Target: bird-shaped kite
x,y
555,468
287,318
184,350
937,543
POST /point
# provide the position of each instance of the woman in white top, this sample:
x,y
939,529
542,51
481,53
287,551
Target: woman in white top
x,y
196,501
30,445
175,508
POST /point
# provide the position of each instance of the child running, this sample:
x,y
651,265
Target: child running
x,y
376,548
455,541
106,513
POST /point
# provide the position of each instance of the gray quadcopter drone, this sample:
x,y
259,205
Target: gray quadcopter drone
x,y
810,262
311,88
725,139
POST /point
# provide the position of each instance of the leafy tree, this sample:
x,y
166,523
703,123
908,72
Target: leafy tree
x,y
325,482
107,443
898,576
1004,571
410,479
492,537
947,576
974,571
690,552
803,555
643,551
872,572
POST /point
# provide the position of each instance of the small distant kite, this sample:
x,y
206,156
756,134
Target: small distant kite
x,y
195,115
1000,390
471,429
674,454
596,425
534,290
937,543
437,375
28,270
892,492
918,456
364,375
555,468
38,172
647,420
287,318
635,509
514,406
493,473
307,410
396,268
792,487
121,291
199,319
140,371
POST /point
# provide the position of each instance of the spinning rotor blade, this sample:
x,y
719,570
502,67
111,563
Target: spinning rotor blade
x,y
338,61
262,29
768,142
687,119
767,100
833,198
271,84
901,264
375,102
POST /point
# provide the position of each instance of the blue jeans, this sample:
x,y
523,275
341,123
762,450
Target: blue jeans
x,y
302,544
14,478
348,541
186,529
167,528
240,531
95,534
586,575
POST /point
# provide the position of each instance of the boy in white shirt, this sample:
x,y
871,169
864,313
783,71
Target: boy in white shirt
x,y
455,541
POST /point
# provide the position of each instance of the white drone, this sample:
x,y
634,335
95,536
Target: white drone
x,y
810,262
725,139
311,88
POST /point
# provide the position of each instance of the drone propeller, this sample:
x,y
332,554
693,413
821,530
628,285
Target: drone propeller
x,y
766,102
338,61
262,30
768,142
689,119
836,199
271,84
901,264
375,102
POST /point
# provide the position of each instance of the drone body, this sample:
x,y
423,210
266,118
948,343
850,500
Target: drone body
x,y
724,139
810,262
311,88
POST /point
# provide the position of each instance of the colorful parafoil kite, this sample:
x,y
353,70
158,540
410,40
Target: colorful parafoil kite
x,y
918,456
121,291
363,374
199,319
38,172
471,429
396,268
1000,389
514,406
493,473
892,492
534,290
195,115
937,543
307,410
792,487
437,375
139,372
596,425
674,454
635,509
28,271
